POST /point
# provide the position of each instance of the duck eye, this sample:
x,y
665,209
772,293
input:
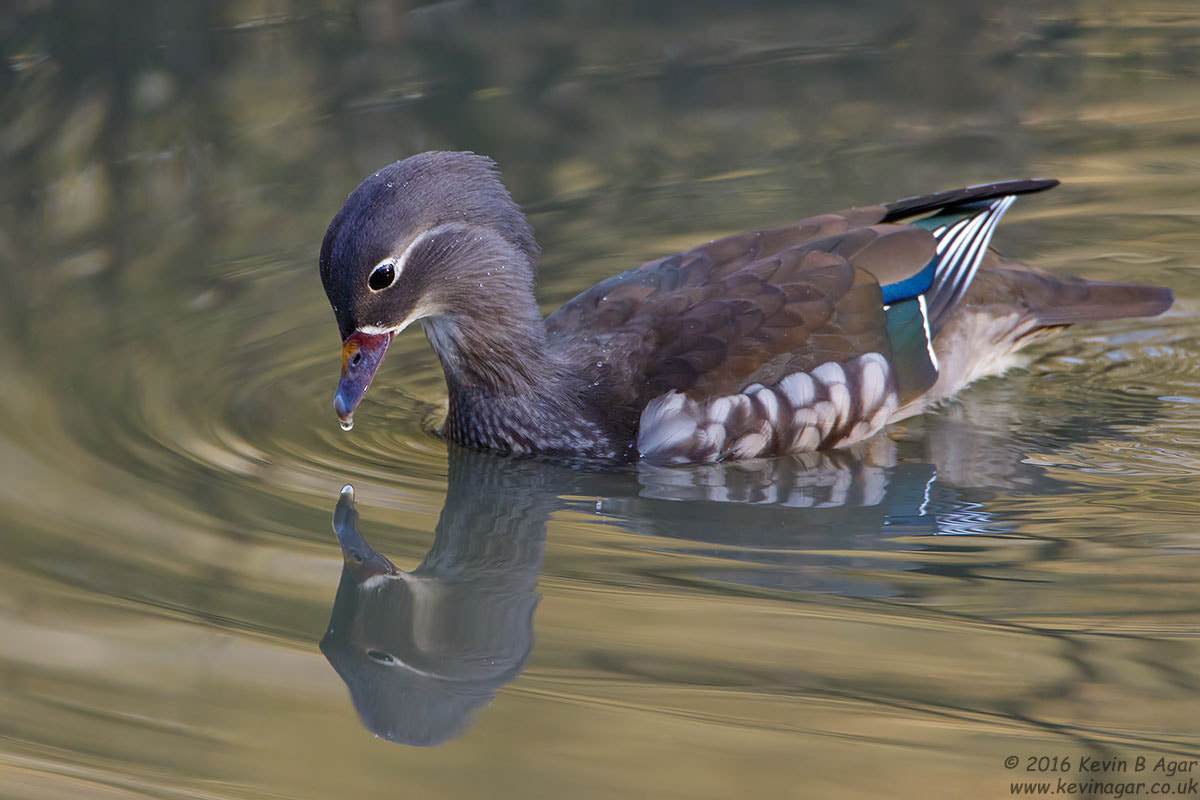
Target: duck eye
x,y
382,277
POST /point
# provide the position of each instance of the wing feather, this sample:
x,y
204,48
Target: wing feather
x,y
755,307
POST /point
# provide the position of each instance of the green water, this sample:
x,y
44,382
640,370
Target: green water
x,y
1013,575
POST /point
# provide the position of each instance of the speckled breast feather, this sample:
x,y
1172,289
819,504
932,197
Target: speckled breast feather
x,y
834,405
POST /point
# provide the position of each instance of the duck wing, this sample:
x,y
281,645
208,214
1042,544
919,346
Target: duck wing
x,y
756,307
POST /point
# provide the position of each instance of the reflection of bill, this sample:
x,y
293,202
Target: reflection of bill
x,y
421,650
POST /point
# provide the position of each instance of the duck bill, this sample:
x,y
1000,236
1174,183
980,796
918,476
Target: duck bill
x,y
362,353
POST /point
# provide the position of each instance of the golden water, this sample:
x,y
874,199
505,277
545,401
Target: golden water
x,y
1014,575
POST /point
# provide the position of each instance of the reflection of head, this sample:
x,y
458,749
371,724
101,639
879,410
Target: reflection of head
x,y
419,655
420,651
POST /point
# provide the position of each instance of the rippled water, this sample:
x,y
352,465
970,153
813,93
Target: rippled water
x,y
1013,575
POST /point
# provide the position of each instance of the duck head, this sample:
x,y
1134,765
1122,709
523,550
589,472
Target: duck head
x,y
433,237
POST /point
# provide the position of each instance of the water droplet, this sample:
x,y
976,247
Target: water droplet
x,y
346,424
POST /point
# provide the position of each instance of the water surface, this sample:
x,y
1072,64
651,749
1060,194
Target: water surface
x,y
1012,575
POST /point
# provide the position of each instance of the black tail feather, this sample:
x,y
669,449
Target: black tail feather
x,y
912,206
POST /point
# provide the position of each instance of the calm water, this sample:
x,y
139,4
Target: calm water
x,y
1014,575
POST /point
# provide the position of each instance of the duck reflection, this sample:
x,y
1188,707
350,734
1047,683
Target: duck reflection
x,y
420,651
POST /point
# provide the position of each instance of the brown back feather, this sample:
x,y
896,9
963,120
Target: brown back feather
x,y
758,306
744,309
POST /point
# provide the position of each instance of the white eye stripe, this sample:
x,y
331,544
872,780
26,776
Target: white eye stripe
x,y
397,264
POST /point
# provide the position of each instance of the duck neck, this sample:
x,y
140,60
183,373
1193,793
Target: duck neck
x,y
508,390
484,322
493,353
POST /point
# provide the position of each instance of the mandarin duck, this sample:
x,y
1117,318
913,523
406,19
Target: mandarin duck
x,y
809,336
